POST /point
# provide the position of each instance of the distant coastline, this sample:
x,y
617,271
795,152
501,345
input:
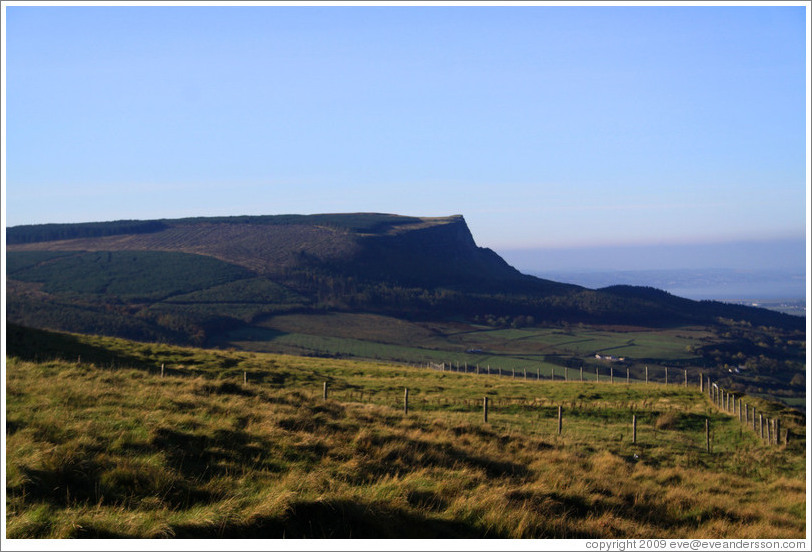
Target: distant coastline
x,y
783,291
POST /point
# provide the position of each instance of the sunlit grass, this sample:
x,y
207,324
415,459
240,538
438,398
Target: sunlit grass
x,y
101,451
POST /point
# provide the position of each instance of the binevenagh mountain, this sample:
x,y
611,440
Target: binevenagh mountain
x,y
191,280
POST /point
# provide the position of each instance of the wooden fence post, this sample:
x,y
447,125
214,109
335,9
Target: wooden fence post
x,y
686,377
406,400
566,373
514,373
559,420
611,374
646,374
666,375
525,374
485,409
707,435
538,374
162,369
701,382
761,425
634,429
552,373
244,377
777,431
627,375
324,392
582,373
597,378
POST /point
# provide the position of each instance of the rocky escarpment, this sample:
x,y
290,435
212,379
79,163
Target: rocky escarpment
x,y
438,252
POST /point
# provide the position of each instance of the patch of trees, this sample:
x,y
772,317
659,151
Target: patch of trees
x,y
520,321
52,232
135,275
757,359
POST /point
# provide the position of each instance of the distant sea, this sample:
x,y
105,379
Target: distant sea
x,y
779,290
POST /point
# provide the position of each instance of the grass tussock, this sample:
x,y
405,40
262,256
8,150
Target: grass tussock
x,y
121,452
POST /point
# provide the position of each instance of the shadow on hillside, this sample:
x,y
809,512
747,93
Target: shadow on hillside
x,y
381,455
346,519
339,519
41,346
203,457
331,519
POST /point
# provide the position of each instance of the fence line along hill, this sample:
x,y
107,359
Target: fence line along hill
x,y
113,438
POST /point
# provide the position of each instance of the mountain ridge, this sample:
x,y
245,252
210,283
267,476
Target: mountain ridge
x,y
425,267
365,245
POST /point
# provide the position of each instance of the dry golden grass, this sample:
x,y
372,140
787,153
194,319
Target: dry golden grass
x,y
94,452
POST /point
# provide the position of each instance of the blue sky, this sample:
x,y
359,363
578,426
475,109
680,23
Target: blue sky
x,y
545,126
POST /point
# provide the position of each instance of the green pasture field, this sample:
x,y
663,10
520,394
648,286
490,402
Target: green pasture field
x,y
381,337
650,344
266,340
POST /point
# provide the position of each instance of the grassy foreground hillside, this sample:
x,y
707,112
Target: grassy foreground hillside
x,y
241,444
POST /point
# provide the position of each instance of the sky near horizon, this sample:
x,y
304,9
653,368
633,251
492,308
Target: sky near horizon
x,y
544,126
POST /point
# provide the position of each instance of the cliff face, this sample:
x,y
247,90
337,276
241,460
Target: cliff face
x,y
433,253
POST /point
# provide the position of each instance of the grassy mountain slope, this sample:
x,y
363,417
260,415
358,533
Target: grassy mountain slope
x,y
99,445
265,249
407,251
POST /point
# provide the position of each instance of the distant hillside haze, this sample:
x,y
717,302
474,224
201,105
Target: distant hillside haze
x,y
777,254
189,280
715,284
